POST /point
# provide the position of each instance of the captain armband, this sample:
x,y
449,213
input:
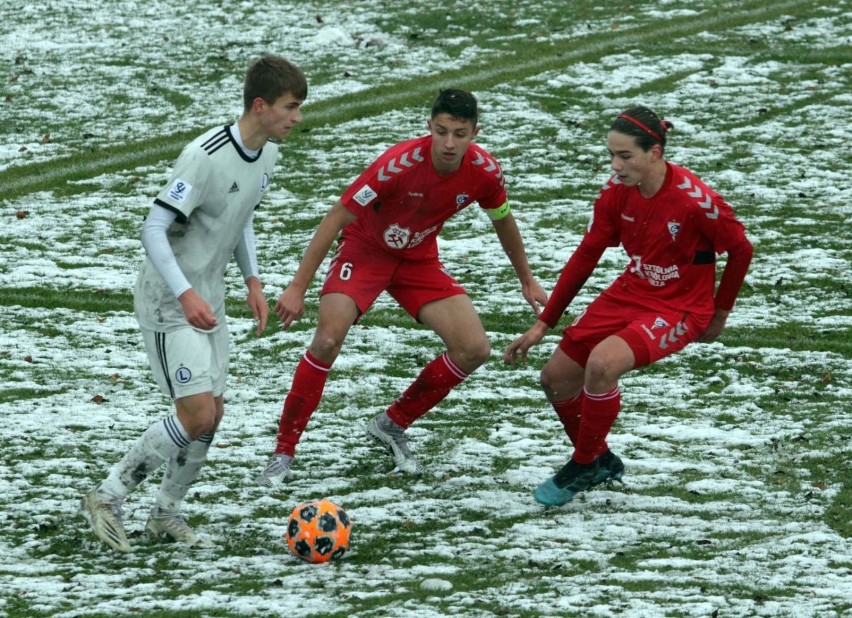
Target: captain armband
x,y
501,212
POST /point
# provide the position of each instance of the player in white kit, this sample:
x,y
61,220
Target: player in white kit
x,y
201,218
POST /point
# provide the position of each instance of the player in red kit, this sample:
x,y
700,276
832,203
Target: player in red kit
x,y
388,220
672,226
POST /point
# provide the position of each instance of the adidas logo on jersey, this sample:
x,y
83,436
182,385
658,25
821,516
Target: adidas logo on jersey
x,y
234,188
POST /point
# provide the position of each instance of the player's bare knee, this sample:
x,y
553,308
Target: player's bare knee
x,y
559,387
326,347
478,354
600,371
470,356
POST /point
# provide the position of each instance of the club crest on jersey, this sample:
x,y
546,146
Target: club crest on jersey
x,y
461,199
674,228
365,195
180,190
397,237
659,323
183,375
264,183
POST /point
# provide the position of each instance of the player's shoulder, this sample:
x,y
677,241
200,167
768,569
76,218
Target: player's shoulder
x,y
689,186
401,158
211,140
483,162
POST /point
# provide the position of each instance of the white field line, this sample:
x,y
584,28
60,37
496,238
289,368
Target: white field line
x,y
424,86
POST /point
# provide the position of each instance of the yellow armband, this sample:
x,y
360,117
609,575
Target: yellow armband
x,y
495,214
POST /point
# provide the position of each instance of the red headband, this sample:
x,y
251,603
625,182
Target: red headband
x,y
645,128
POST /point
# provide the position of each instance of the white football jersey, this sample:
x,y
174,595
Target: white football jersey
x,y
214,189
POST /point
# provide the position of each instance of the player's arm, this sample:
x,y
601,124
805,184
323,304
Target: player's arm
x,y
291,303
246,255
196,310
513,245
739,259
574,275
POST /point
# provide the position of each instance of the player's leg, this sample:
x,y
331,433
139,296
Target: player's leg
x,y
456,322
200,414
337,313
189,352
592,462
562,382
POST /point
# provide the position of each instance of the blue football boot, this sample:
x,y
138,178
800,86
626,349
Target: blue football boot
x,y
567,483
611,468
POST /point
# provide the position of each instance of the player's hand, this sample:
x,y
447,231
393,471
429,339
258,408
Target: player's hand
x,y
522,344
535,295
716,326
256,301
196,310
290,306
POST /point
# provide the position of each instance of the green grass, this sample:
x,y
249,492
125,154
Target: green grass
x,y
804,393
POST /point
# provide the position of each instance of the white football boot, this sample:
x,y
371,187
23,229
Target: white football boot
x,y
392,437
275,471
175,529
105,519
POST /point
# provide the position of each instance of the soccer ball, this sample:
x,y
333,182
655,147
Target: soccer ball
x,y
318,531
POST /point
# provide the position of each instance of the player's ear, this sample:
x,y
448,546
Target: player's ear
x,y
258,105
475,131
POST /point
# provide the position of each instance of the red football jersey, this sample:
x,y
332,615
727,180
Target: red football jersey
x,y
402,203
671,239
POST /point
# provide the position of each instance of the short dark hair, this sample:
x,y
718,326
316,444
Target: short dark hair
x,y
459,104
270,77
644,125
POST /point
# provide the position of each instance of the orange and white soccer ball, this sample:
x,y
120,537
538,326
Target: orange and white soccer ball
x,y
318,531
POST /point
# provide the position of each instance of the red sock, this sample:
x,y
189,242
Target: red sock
x,y
568,412
598,416
431,386
302,400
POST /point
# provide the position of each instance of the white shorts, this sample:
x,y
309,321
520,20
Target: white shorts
x,y
187,361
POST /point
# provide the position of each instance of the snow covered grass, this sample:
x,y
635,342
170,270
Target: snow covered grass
x,y
737,494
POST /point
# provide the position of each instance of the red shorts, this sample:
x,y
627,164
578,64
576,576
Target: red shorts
x,y
651,335
362,272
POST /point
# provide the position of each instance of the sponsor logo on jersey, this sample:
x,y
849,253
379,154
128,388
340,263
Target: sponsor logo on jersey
x,y
234,188
397,237
264,183
180,190
419,237
183,375
365,195
461,199
627,218
674,228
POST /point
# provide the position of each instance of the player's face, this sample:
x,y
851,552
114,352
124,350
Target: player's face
x,y
450,139
629,162
279,118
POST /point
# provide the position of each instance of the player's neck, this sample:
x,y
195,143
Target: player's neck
x,y
253,136
653,181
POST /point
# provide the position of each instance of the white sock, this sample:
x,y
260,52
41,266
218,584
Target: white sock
x,y
158,444
181,471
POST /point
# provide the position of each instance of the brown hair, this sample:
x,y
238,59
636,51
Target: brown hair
x,y
270,77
